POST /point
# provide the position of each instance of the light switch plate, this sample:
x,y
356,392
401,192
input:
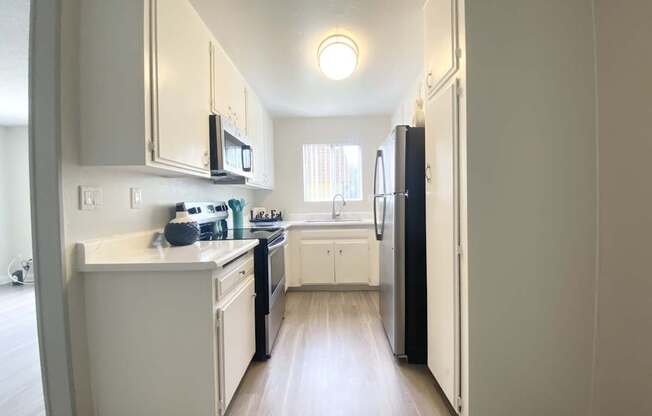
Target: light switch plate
x,y
90,198
136,198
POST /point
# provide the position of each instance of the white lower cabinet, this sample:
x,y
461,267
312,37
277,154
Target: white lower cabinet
x,y
169,343
335,262
351,261
317,266
236,340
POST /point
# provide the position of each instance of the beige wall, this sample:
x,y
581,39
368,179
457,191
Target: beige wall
x,y
15,214
115,217
624,366
531,206
289,137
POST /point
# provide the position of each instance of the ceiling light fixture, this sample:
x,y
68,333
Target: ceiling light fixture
x,y
338,57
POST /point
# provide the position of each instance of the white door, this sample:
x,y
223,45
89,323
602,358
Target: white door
x,y
442,227
352,261
441,44
183,87
237,339
317,263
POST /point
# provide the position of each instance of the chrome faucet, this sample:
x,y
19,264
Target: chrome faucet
x,y
336,215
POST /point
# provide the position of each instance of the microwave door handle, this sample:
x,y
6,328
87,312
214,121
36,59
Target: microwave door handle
x,y
246,149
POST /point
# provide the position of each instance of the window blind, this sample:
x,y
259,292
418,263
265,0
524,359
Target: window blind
x,y
329,169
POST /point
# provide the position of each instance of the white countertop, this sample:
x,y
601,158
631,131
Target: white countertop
x,y
133,252
315,223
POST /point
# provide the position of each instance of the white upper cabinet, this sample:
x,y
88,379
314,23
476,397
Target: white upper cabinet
x,y
441,46
145,76
268,133
182,76
261,136
256,138
147,89
229,89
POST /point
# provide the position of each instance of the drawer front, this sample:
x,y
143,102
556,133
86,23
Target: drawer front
x,y
232,275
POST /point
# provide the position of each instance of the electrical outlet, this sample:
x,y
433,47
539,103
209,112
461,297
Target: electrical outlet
x,y
136,198
90,198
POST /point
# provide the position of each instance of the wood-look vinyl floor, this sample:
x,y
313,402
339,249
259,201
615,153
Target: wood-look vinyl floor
x,y
21,389
332,358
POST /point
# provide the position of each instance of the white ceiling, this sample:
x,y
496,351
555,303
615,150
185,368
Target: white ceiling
x,y
274,43
14,47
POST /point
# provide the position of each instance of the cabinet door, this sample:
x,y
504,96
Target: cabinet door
x,y
352,261
229,89
222,74
441,43
256,138
317,264
182,87
237,339
442,227
269,141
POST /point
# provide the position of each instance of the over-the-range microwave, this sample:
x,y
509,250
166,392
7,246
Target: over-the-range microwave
x,y
231,155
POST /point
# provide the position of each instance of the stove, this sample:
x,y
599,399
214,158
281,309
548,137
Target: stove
x,y
269,266
268,234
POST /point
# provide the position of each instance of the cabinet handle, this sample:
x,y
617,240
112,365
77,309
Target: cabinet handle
x,y
428,173
328,252
206,159
429,80
340,252
243,272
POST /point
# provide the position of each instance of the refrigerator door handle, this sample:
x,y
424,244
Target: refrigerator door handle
x,y
379,163
379,157
379,233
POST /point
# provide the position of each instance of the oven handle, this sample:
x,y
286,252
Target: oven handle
x,y
283,241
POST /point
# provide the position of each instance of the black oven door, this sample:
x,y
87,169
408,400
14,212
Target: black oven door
x,y
276,266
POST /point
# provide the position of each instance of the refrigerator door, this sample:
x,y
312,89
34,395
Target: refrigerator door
x,y
388,295
392,294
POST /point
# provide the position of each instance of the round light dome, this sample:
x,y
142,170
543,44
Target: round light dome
x,y
338,57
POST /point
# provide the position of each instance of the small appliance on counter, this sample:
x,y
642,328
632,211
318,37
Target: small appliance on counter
x,y
260,217
269,266
182,230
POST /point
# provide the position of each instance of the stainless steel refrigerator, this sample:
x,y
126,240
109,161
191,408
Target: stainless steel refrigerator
x,y
400,226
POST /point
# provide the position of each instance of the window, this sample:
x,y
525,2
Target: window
x,y
330,169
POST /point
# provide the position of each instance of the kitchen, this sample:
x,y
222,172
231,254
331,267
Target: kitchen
x,y
341,208
327,224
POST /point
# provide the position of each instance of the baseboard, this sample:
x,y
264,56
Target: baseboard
x,y
333,288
